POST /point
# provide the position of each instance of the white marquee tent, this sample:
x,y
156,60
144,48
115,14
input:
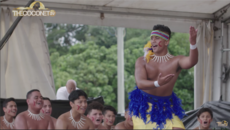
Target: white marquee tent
x,y
25,59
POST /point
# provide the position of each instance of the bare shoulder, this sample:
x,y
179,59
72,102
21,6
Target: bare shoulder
x,y
87,119
141,59
62,119
120,125
54,119
21,115
63,116
88,122
179,56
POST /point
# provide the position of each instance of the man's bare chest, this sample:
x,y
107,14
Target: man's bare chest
x,y
153,69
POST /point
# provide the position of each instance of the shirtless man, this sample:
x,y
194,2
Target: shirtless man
x,y
155,74
94,112
75,119
47,109
10,110
127,124
33,118
109,116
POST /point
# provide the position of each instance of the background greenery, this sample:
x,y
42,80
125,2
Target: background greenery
x,y
88,54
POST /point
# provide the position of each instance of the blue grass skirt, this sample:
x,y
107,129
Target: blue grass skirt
x,y
162,107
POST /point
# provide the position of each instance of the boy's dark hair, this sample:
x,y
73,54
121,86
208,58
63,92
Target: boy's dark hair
x,y
94,105
162,28
5,103
74,95
29,93
46,98
109,108
202,110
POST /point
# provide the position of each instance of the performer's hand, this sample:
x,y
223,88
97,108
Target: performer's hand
x,y
192,35
165,79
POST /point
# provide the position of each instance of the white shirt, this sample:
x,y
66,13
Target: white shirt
x,y
62,93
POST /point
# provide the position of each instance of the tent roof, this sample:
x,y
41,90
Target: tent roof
x,y
179,15
192,6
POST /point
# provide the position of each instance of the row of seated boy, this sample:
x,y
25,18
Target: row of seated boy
x,y
38,115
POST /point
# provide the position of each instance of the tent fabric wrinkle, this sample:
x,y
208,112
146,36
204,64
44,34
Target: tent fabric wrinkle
x,y
25,62
203,71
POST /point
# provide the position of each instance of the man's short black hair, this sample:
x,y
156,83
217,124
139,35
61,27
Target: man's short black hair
x,y
5,103
109,108
162,28
94,105
29,93
46,98
74,95
202,110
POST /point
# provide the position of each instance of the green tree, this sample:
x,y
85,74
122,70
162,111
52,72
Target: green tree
x,y
61,36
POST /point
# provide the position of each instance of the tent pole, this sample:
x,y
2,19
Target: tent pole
x,y
222,46
120,71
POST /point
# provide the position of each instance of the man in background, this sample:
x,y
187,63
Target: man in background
x,y
63,92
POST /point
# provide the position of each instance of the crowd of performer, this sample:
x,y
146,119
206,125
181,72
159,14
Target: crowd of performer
x,y
38,115
153,104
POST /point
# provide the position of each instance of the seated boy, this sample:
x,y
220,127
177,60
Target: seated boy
x,y
109,115
204,116
47,109
75,118
94,112
10,110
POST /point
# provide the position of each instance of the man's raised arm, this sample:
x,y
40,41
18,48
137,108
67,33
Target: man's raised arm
x,y
192,59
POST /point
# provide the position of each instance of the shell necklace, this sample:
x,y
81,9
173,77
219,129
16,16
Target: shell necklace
x,y
36,117
79,124
8,124
164,58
